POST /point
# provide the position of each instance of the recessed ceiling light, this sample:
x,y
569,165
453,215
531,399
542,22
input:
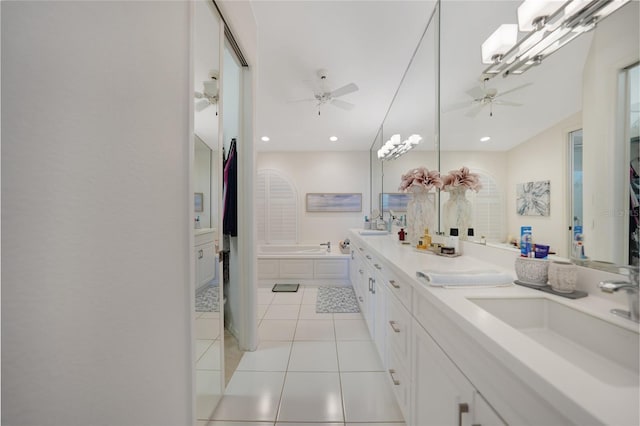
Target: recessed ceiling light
x,y
333,138
485,138
265,139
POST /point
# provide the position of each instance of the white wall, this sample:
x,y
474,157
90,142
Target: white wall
x,y
526,164
95,298
327,171
616,45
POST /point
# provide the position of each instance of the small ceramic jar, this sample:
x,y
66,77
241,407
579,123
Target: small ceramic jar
x,y
563,276
532,271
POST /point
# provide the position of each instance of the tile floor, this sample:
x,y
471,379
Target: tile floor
x,y
309,369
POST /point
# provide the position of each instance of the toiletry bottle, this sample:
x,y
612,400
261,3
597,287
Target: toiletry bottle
x,y
401,234
525,241
426,239
454,240
367,224
470,234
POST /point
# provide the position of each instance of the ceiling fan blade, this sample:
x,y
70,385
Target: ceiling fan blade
x,y
344,90
476,92
342,104
475,110
513,90
201,104
507,103
294,101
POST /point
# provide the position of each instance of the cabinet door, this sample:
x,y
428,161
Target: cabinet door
x,y
380,318
205,263
483,414
441,394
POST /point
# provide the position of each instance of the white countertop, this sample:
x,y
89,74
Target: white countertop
x,y
573,389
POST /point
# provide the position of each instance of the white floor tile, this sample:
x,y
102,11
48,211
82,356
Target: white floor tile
x,y
210,360
287,298
270,356
311,424
312,397
348,316
201,347
207,328
358,356
310,296
309,312
313,356
352,330
276,329
377,424
223,423
369,398
282,312
251,396
262,309
315,330
208,392
265,296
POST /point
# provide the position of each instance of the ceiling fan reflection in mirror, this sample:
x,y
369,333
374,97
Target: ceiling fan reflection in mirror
x,y
209,94
483,96
324,95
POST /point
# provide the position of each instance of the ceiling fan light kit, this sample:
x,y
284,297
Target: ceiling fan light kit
x,y
547,26
323,95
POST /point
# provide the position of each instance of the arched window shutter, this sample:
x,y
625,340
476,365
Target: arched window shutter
x,y
276,208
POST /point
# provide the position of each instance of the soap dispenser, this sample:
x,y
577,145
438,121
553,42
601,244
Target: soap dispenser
x,y
426,239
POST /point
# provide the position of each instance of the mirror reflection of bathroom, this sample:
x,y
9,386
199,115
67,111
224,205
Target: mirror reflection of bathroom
x,y
208,335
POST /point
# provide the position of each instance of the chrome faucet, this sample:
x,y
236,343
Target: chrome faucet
x,y
631,288
328,244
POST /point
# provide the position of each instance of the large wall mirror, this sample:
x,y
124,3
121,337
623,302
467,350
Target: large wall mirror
x,y
568,125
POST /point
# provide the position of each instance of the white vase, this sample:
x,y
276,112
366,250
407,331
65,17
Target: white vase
x,y
421,214
457,212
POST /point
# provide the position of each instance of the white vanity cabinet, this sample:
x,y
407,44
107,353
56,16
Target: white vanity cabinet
x,y
205,255
442,395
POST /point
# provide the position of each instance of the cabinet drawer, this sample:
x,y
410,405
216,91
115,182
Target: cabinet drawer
x,y
204,237
399,330
400,288
398,373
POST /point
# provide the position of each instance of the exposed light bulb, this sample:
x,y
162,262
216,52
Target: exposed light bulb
x,y
333,138
265,139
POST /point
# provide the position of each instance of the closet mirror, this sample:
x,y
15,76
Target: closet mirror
x,y
209,339
526,164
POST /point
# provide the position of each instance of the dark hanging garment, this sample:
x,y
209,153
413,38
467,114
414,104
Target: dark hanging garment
x,y
230,212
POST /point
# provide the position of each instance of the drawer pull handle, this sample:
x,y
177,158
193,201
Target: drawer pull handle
x,y
394,326
361,299
462,408
361,271
368,257
393,284
360,248
200,254
393,379
378,267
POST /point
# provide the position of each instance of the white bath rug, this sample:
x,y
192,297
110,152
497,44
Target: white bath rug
x,y
336,300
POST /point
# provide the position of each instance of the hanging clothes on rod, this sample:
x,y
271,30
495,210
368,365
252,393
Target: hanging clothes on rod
x,y
230,191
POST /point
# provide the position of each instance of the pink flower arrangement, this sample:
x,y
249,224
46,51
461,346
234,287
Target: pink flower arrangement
x,y
462,178
420,179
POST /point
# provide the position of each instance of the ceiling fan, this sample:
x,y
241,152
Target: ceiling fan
x,y
323,95
209,94
483,96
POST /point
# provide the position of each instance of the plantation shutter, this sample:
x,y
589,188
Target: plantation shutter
x,y
276,205
488,209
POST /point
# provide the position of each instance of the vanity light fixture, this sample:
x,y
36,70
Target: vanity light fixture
x,y
547,25
485,139
395,147
333,138
265,139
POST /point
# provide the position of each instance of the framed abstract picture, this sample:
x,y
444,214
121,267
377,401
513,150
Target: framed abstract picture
x,y
334,202
533,198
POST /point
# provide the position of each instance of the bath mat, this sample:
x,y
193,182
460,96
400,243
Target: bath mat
x,y
285,288
339,300
208,299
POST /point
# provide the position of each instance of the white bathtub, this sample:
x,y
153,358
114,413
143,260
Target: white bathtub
x,y
303,263
291,249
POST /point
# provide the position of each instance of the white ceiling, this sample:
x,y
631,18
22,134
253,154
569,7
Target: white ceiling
x,y
365,42
370,43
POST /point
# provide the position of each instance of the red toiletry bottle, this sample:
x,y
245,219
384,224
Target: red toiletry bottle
x,y
401,234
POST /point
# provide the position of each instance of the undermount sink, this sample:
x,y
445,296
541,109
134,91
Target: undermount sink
x,y
606,351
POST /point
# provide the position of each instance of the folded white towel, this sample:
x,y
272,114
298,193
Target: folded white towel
x,y
471,278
